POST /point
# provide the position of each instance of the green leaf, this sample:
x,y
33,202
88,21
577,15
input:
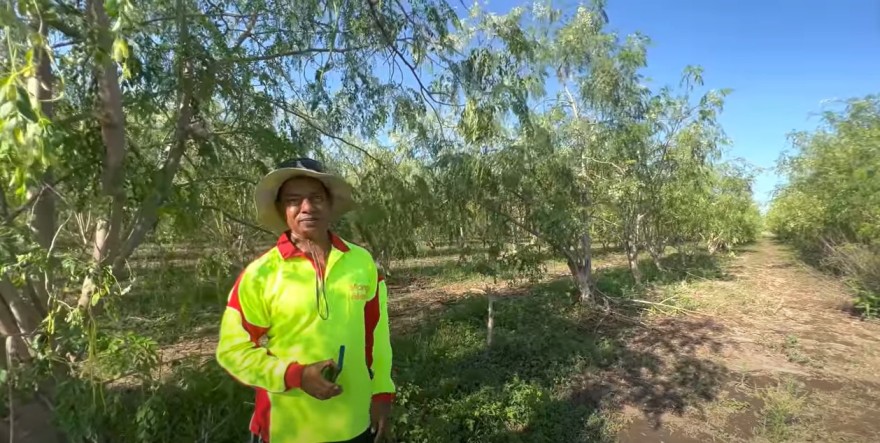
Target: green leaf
x,y
19,135
6,109
23,104
120,50
112,8
10,91
29,63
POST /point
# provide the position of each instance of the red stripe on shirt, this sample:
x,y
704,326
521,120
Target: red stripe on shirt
x,y
256,332
260,421
371,319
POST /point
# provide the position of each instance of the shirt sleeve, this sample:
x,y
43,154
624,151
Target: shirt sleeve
x,y
246,320
378,342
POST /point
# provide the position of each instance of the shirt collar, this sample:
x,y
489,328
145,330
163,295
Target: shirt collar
x,y
288,249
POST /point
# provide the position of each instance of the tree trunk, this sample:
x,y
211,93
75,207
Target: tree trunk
x,y
44,216
9,328
100,255
584,280
632,250
43,220
22,309
581,269
490,321
112,120
26,317
148,214
654,243
461,240
632,256
656,255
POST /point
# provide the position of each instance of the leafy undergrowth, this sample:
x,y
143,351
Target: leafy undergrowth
x,y
860,267
452,384
528,387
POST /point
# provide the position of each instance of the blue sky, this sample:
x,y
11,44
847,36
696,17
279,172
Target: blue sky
x,y
782,58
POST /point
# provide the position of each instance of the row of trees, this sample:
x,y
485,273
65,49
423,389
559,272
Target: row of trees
x,y
603,159
129,124
830,205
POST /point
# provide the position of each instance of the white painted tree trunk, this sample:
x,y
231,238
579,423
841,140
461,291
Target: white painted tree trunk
x,y
490,320
632,250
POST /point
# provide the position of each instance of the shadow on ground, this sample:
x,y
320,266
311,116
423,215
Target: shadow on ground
x,y
555,371
618,281
448,266
171,304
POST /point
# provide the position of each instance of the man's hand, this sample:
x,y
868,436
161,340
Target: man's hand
x,y
380,413
314,383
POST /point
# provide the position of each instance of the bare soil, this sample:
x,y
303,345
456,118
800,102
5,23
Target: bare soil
x,y
768,353
788,361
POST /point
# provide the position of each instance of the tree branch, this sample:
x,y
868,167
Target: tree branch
x,y
390,43
177,17
10,216
235,219
294,53
535,233
221,177
148,213
247,32
305,118
63,24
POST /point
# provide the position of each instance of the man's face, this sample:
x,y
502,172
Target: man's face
x,y
306,206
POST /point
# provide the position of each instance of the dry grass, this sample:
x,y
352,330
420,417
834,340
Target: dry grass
x,y
744,294
799,368
802,369
781,418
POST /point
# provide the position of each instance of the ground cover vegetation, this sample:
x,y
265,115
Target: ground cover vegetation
x,y
532,198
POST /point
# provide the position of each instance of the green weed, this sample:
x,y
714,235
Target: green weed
x,y
455,389
451,387
867,302
793,351
438,271
781,415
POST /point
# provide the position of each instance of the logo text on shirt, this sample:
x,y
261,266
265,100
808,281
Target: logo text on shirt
x,y
359,291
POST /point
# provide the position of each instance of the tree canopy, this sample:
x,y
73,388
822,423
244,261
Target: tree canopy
x,y
532,132
830,204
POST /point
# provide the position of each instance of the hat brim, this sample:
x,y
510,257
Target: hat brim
x,y
266,194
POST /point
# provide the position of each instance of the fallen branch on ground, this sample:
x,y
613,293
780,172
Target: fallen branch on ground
x,y
610,300
676,308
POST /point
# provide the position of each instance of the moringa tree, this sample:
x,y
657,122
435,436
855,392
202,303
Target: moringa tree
x,y
125,122
603,155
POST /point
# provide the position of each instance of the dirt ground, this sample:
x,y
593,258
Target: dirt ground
x,y
770,352
774,355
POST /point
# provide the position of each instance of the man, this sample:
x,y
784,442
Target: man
x,y
309,296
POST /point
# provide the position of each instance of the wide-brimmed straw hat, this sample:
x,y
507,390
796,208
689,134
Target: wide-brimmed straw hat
x,y
266,192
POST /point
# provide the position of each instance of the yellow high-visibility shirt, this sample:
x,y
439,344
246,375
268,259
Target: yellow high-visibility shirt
x,y
275,297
